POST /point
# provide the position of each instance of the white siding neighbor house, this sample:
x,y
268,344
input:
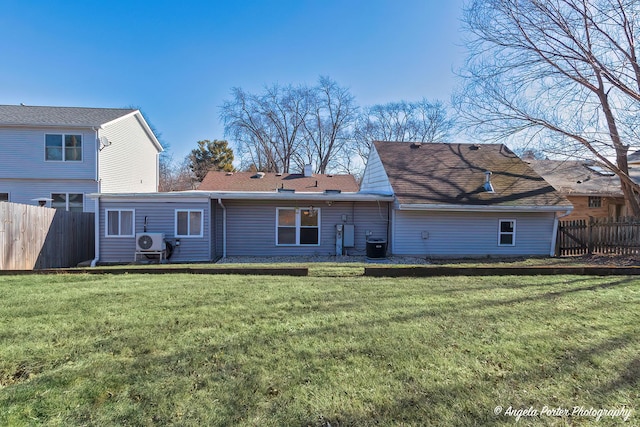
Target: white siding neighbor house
x,y
464,200
58,155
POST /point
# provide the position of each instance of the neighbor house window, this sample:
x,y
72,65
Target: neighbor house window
x,y
189,223
73,202
62,147
595,201
4,197
297,226
120,223
507,232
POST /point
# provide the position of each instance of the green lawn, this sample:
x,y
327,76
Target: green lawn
x,y
322,350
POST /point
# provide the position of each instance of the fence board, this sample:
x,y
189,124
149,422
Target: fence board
x,y
620,236
33,237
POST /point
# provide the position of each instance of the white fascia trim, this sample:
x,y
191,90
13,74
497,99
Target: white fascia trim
x,y
482,208
145,125
133,198
243,195
133,113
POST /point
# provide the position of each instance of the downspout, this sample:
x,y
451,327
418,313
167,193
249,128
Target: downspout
x,y
96,232
224,228
552,251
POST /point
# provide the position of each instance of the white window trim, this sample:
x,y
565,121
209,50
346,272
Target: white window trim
x,y
298,226
106,223
64,160
188,236
500,233
66,200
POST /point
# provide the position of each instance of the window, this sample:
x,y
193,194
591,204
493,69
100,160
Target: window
x,y
65,148
68,201
507,232
4,197
189,223
297,226
595,201
120,223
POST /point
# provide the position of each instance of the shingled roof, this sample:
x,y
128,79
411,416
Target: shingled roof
x,y
26,115
578,177
253,181
454,174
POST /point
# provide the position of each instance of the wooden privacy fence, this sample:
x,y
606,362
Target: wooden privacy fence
x,y
619,236
33,237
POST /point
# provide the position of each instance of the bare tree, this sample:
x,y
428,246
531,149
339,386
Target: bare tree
x,y
286,127
326,128
421,121
267,128
176,176
560,72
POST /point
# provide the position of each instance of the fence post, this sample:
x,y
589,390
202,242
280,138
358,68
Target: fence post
x,y
590,236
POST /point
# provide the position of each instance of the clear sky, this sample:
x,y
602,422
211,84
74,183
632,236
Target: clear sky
x,y
178,60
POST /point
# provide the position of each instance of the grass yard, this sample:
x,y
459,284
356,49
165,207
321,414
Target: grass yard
x,y
315,351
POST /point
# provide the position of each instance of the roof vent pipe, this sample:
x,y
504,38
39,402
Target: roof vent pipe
x,y
488,187
307,170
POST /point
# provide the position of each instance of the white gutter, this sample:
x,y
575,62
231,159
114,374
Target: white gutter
x,y
556,219
483,208
224,228
96,258
248,195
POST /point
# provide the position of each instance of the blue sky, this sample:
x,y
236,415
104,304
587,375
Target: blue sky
x,y
178,61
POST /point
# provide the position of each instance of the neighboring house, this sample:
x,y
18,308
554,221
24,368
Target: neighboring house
x,y
593,190
246,214
459,200
58,155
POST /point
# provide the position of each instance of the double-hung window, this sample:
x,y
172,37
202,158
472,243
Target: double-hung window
x,y
73,202
189,222
507,232
120,223
595,201
297,227
63,147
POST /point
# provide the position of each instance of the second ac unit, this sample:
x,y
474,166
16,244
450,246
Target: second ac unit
x,y
150,242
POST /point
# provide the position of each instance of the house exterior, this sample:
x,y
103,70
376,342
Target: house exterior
x,y
245,214
463,200
58,155
593,190
425,200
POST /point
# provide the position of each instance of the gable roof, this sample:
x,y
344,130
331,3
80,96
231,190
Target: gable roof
x,y
576,178
453,175
27,115
250,181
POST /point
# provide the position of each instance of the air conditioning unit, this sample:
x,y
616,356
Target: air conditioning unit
x,y
149,242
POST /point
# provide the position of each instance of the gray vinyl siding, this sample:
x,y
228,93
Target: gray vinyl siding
x,y
217,225
26,190
160,219
251,227
462,234
130,163
22,155
375,179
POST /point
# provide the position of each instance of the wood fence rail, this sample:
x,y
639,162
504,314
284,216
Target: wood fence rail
x,y
620,236
34,237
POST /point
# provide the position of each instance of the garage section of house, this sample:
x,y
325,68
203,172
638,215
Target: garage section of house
x,y
459,200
